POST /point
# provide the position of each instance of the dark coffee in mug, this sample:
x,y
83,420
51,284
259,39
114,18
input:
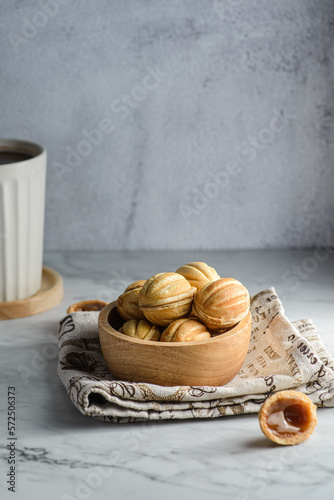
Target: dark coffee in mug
x,y
22,194
13,157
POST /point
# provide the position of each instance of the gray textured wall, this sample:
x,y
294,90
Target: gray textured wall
x,y
215,119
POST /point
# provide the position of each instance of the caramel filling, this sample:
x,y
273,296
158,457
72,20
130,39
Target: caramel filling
x,y
289,417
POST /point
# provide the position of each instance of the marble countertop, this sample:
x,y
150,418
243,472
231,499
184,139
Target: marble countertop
x,y
64,455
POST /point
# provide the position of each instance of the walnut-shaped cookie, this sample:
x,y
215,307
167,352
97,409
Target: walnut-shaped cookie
x,y
221,304
140,329
288,417
166,297
198,274
185,330
127,303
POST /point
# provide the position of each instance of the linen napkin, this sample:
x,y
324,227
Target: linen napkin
x,y
281,355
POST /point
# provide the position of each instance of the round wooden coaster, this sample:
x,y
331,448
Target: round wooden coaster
x,y
50,294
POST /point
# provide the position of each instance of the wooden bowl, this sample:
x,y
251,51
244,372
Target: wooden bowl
x,y
212,362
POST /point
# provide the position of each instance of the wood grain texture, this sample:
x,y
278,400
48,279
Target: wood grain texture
x,y
212,362
50,294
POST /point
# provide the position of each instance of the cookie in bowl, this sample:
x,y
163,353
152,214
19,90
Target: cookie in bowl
x,y
127,303
185,330
166,297
221,304
212,362
140,329
198,274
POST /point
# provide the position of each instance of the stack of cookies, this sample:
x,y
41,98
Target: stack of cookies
x,y
193,303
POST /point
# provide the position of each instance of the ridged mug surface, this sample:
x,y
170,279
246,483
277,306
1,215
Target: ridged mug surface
x,y
22,196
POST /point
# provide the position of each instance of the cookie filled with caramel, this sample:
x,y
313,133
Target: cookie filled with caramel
x,y
288,417
86,305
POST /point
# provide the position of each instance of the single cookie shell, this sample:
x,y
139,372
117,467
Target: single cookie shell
x,y
288,417
127,303
198,274
221,304
86,305
140,329
185,330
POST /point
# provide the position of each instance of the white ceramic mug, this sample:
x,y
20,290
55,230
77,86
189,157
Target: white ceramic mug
x,y
22,199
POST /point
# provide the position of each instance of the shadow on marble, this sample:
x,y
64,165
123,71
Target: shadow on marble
x,y
260,443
